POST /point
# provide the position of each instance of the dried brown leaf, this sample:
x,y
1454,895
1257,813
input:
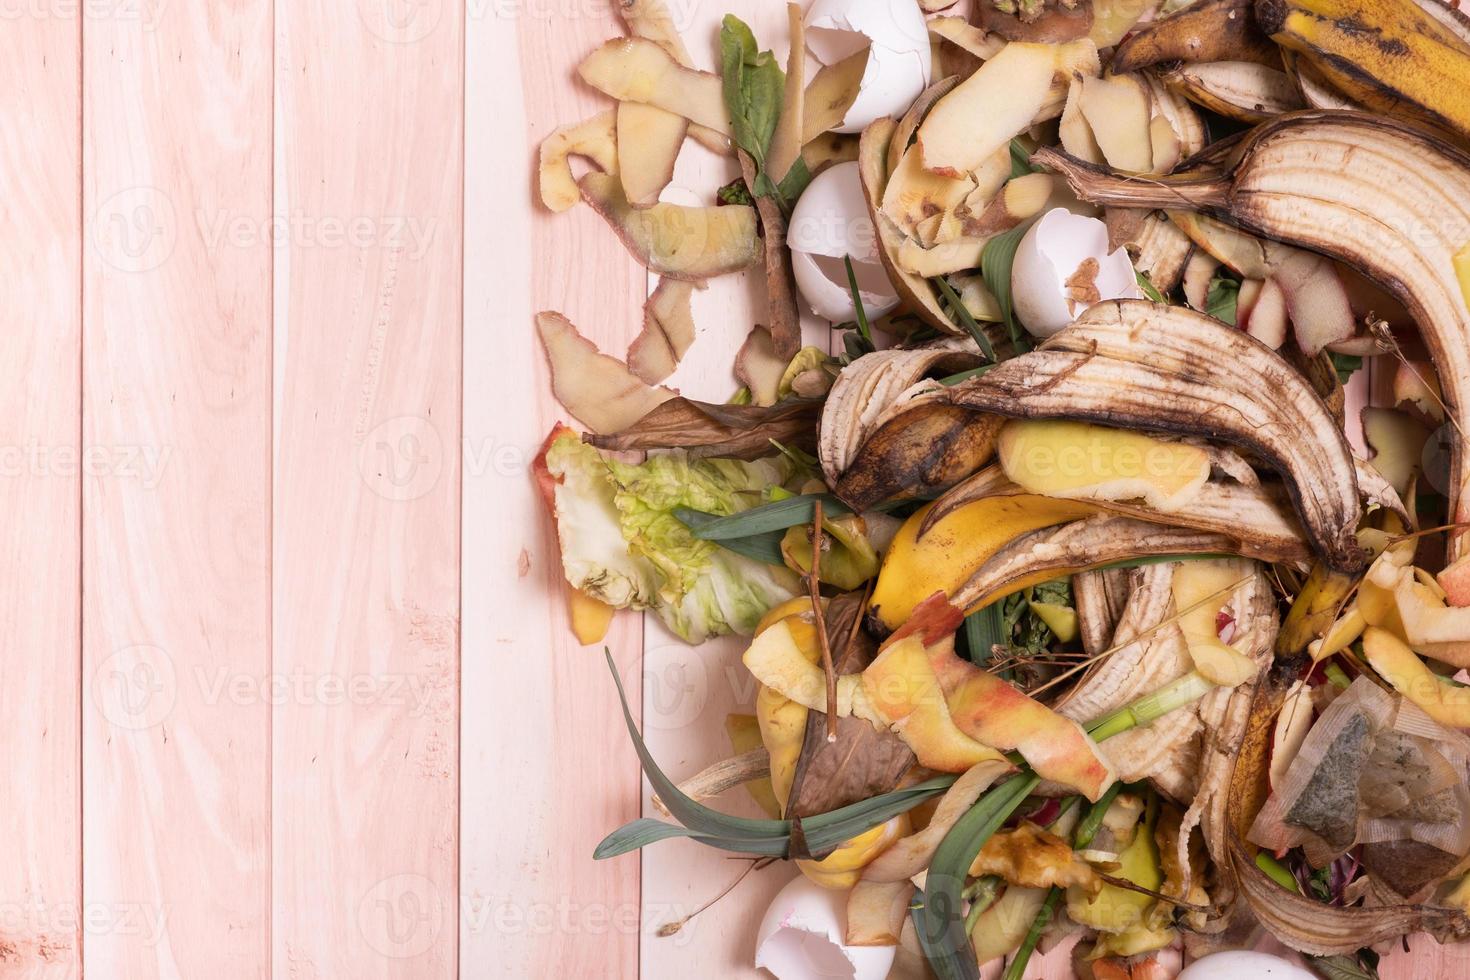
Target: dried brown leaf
x,y
866,760
729,431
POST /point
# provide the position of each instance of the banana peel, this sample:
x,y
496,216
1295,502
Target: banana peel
x,y
1256,517
1315,179
1080,546
1389,55
1211,30
1315,609
949,552
1135,364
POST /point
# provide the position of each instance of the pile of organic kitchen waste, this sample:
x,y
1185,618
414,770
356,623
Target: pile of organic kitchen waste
x,y
1076,617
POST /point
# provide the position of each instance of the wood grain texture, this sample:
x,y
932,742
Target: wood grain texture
x,y
689,691
367,489
40,351
176,562
548,769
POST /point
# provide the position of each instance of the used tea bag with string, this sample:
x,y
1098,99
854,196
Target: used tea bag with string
x,y
1374,771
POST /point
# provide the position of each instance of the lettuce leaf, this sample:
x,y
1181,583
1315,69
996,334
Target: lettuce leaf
x,y
622,544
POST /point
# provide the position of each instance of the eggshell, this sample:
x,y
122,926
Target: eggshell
x,y
1049,254
831,221
801,936
898,60
1241,964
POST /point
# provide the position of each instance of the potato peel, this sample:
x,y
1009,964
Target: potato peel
x,y
635,69
673,240
648,141
595,139
598,390
668,331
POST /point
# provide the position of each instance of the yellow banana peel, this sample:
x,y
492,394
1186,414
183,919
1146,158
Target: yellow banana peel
x,y
843,867
915,568
1389,55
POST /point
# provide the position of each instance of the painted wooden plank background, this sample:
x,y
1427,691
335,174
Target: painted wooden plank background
x,y
546,766
176,130
40,486
366,490
287,687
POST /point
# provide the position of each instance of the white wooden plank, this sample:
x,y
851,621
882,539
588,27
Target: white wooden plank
x,y
40,551
176,561
366,510
547,769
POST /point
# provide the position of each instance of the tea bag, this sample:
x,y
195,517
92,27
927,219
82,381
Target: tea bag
x,y
1316,806
1374,770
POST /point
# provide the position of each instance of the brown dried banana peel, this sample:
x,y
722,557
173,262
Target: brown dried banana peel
x,y
1258,519
1080,546
1136,365
1385,197
1211,30
868,390
1393,56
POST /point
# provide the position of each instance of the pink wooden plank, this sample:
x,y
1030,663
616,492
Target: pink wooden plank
x,y
176,417
548,769
40,167
366,569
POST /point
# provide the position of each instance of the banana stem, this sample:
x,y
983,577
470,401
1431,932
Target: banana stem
x,y
1151,707
1099,186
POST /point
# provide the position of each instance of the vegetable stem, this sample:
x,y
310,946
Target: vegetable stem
x,y
1017,966
982,895
1151,707
1091,822
814,583
941,930
861,314
960,313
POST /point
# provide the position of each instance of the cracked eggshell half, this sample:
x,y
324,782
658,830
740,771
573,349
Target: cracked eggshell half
x,y
897,38
1241,964
801,936
1062,267
831,221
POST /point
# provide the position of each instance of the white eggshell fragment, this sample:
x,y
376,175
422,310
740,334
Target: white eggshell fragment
x,y
1243,964
1060,248
801,936
898,52
830,222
